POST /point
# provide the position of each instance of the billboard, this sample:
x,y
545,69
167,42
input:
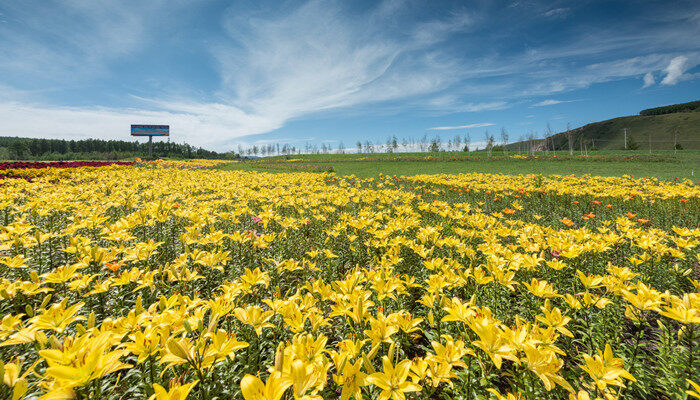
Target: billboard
x,y
150,130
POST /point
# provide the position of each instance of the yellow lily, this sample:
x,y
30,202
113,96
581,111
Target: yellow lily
x,y
392,380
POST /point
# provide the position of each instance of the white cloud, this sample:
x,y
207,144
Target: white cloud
x,y
557,13
675,70
551,102
449,128
202,125
648,80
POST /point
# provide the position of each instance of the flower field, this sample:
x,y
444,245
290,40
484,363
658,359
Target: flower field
x,y
163,281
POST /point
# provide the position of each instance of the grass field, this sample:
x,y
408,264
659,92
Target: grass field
x,y
685,164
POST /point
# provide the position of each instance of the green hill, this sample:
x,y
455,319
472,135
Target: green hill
x,y
643,131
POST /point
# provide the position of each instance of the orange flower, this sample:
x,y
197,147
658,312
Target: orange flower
x,y
508,211
590,215
684,200
608,205
567,222
630,215
642,220
575,201
596,202
114,266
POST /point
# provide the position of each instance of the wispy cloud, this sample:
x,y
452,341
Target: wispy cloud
x,y
557,13
551,102
449,128
648,80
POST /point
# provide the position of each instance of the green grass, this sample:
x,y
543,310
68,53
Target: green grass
x,y
610,163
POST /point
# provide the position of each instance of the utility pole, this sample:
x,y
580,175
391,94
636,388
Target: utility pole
x,y
625,138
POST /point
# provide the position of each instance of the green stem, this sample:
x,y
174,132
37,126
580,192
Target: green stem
x,y
691,343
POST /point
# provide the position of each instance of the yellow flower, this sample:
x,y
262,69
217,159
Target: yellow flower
x,y
451,352
381,329
552,317
223,344
351,378
546,366
58,317
254,389
176,392
392,381
492,342
83,359
509,396
540,288
605,369
255,317
684,310
695,391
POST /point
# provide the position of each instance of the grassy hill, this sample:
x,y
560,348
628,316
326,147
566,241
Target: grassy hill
x,y
610,134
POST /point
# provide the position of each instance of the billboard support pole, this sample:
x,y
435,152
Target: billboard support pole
x,y
150,131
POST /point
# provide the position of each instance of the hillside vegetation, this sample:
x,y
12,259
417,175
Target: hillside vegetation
x,y
655,131
656,128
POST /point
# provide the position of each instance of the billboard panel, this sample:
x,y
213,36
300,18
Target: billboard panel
x,y
150,130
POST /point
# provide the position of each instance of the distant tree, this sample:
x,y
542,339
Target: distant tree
x,y
423,143
632,144
504,139
489,142
531,142
18,149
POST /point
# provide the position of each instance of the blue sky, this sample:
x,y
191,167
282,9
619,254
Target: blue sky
x,y
225,73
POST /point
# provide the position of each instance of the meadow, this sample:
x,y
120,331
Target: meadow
x,y
665,164
203,280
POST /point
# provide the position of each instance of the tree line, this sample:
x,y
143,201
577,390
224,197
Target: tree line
x,y
674,108
96,149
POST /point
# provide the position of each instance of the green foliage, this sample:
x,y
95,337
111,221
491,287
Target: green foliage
x,y
97,149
